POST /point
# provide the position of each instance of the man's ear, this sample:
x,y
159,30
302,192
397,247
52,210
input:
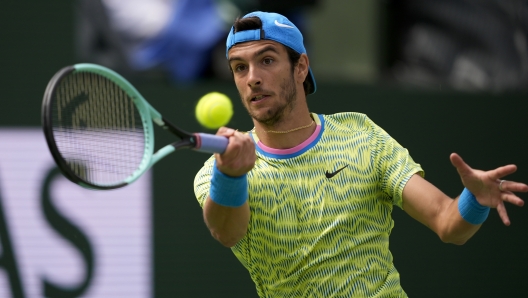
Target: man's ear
x,y
301,70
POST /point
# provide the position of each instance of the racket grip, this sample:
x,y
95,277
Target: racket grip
x,y
211,143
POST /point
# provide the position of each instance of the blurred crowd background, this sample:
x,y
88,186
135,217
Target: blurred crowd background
x,y
460,44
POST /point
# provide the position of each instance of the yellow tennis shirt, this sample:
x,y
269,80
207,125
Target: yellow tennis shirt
x,y
321,212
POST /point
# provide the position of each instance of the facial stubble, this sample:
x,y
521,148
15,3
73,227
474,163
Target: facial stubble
x,y
275,114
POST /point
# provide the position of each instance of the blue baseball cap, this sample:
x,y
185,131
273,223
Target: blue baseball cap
x,y
275,27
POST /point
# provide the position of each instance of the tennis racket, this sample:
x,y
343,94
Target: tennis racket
x,y
100,130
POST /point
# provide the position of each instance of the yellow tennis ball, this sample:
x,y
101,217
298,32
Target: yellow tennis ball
x,y
214,110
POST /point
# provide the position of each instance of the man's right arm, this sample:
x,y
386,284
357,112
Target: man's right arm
x,y
228,223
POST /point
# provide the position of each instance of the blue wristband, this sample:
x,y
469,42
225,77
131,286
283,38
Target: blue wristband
x,y
228,191
470,209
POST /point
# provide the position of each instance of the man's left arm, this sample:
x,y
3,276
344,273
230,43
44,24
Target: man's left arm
x,y
456,221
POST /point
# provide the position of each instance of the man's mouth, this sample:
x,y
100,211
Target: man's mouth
x,y
258,98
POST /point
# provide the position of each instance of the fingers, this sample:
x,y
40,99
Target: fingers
x,y
225,131
501,208
503,214
503,171
512,199
463,168
488,187
512,186
239,156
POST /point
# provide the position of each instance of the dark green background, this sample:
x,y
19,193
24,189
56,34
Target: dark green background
x,y
487,130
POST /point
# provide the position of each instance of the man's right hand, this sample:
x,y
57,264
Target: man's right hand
x,y
239,156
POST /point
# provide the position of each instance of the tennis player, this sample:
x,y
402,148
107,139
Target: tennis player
x,y
304,200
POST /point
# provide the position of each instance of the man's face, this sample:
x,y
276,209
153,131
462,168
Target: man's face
x,y
264,79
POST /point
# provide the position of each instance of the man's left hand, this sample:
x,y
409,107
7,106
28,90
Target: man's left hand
x,y
489,187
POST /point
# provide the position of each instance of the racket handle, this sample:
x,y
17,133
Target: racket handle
x,y
211,143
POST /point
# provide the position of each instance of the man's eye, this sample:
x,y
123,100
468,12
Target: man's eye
x,y
240,67
267,61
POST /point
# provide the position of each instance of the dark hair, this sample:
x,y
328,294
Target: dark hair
x,y
252,23
249,23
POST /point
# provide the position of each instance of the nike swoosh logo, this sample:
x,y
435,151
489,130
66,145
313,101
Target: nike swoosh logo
x,y
282,25
330,175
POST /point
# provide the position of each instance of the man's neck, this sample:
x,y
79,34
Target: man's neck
x,y
287,134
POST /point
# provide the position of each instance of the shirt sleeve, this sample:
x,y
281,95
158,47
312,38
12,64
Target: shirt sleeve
x,y
393,163
202,181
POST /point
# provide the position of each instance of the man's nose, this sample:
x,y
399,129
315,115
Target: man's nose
x,y
254,77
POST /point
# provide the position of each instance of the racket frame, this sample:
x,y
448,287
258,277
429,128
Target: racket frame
x,y
146,111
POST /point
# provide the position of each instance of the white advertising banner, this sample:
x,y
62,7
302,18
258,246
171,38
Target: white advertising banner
x,y
60,240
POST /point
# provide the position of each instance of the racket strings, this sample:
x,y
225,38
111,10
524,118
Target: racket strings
x,y
97,128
